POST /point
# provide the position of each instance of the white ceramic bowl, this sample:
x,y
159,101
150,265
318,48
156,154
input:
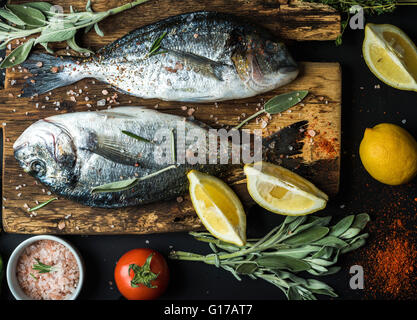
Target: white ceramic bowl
x,y
11,266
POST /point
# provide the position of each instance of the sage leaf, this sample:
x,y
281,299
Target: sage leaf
x,y
361,220
283,262
293,294
325,252
299,253
116,186
308,236
98,30
18,55
29,15
350,233
11,17
74,46
52,34
246,268
353,246
342,226
293,225
45,45
44,7
331,242
284,101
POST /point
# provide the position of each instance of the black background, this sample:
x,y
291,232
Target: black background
x,y
361,108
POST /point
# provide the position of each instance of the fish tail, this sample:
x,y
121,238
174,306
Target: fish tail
x,y
49,72
285,142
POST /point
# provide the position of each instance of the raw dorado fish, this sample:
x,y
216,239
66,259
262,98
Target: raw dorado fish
x,y
204,57
74,152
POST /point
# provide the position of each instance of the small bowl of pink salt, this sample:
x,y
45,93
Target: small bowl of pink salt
x,y
45,268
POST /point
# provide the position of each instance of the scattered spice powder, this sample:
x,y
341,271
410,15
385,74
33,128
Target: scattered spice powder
x,y
390,261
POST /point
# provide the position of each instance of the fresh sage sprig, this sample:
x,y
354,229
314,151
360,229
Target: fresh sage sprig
x,y
277,104
43,268
51,25
303,243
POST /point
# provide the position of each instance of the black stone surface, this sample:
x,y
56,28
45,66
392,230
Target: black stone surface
x,y
362,108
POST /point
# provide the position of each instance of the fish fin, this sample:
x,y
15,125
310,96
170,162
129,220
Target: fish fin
x,y
49,72
112,150
215,68
285,142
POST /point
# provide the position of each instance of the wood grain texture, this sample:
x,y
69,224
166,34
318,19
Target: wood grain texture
x,y
318,160
319,155
289,20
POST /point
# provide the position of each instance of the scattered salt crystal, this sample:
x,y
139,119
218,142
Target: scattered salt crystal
x,y
101,103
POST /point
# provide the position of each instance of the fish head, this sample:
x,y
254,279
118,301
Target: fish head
x,y
263,63
46,151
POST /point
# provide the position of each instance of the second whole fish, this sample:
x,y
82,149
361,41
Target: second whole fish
x,y
203,57
73,153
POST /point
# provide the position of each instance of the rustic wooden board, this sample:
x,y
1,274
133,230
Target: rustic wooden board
x,y
318,160
318,157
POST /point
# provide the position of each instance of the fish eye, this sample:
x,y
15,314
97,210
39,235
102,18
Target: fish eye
x,y
38,167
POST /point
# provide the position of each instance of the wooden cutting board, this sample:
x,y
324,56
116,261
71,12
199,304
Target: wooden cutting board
x,y
314,151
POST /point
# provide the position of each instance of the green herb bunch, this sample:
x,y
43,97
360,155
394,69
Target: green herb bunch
x,y
303,243
370,7
42,18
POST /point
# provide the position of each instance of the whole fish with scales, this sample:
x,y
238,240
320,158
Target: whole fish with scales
x,y
203,57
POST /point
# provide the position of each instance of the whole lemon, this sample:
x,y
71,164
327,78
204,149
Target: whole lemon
x,y
389,153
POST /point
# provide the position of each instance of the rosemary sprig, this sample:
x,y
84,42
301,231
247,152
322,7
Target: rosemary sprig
x,y
135,136
370,7
129,183
42,18
41,205
156,46
43,268
277,104
304,243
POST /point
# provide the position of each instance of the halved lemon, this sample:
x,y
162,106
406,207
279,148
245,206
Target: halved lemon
x,y
391,56
218,207
282,191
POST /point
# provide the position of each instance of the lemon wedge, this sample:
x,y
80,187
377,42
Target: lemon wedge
x,y
218,207
391,56
282,191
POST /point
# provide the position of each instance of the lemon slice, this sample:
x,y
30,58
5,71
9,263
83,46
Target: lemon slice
x,y
218,207
282,191
391,56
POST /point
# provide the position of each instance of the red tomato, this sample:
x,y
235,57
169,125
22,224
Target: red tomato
x,y
141,274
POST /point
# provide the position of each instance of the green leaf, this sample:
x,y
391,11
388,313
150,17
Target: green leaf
x,y
284,101
342,226
283,262
299,252
52,34
45,7
41,205
135,136
74,46
98,30
18,55
116,186
350,233
45,45
361,220
354,246
246,268
308,236
331,242
11,17
29,15
293,293
325,253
